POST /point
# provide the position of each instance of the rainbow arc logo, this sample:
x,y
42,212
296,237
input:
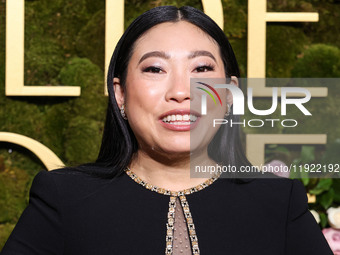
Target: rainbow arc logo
x,y
204,97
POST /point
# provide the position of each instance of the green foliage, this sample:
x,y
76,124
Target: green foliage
x,y
327,190
94,32
81,72
307,154
57,19
5,230
43,61
235,18
332,153
323,185
327,30
300,170
284,44
318,60
336,187
56,122
326,198
82,140
13,191
16,157
239,46
323,220
19,116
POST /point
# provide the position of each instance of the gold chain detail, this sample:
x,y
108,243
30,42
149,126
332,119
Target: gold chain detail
x,y
170,226
190,225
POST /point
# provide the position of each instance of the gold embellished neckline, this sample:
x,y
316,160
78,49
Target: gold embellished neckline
x,y
183,203
168,192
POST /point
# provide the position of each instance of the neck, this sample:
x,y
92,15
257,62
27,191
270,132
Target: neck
x,y
172,173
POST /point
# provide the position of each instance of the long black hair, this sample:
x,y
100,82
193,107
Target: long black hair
x,y
119,143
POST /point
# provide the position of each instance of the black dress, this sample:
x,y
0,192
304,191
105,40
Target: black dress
x,y
74,213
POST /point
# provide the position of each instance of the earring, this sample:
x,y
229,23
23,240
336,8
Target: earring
x,y
122,112
228,112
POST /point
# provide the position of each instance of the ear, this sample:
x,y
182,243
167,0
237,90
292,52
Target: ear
x,y
119,92
233,81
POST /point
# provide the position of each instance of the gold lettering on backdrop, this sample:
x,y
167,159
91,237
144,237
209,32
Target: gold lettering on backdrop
x,y
257,23
47,157
257,19
15,25
114,28
214,9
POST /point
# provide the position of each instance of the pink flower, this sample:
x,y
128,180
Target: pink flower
x,y
333,238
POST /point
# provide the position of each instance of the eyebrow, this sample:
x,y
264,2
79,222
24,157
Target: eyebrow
x,y
162,54
159,54
199,53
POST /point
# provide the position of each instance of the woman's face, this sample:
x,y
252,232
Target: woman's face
x,y
157,98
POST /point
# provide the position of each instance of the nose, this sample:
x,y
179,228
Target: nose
x,y
178,87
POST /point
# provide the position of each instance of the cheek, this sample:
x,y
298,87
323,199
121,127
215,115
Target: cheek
x,y
142,97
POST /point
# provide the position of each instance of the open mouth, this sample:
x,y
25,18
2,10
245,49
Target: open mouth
x,y
180,119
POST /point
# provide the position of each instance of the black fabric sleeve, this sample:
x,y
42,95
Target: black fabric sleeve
x,y
38,230
303,235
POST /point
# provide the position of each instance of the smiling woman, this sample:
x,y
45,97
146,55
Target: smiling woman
x,y
157,87
138,197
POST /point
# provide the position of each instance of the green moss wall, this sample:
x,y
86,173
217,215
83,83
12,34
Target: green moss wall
x,y
64,44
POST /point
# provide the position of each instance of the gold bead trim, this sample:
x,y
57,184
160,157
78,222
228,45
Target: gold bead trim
x,y
170,226
169,192
190,225
172,206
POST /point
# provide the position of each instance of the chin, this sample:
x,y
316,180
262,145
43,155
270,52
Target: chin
x,y
183,149
177,149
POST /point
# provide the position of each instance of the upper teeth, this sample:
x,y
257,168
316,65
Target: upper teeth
x,y
179,117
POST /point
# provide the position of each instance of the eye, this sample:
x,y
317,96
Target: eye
x,y
205,68
153,69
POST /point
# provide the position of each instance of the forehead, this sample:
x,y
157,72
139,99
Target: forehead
x,y
175,35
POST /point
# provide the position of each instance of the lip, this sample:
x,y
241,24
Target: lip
x,y
180,127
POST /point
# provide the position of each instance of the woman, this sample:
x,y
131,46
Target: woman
x,y
138,198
